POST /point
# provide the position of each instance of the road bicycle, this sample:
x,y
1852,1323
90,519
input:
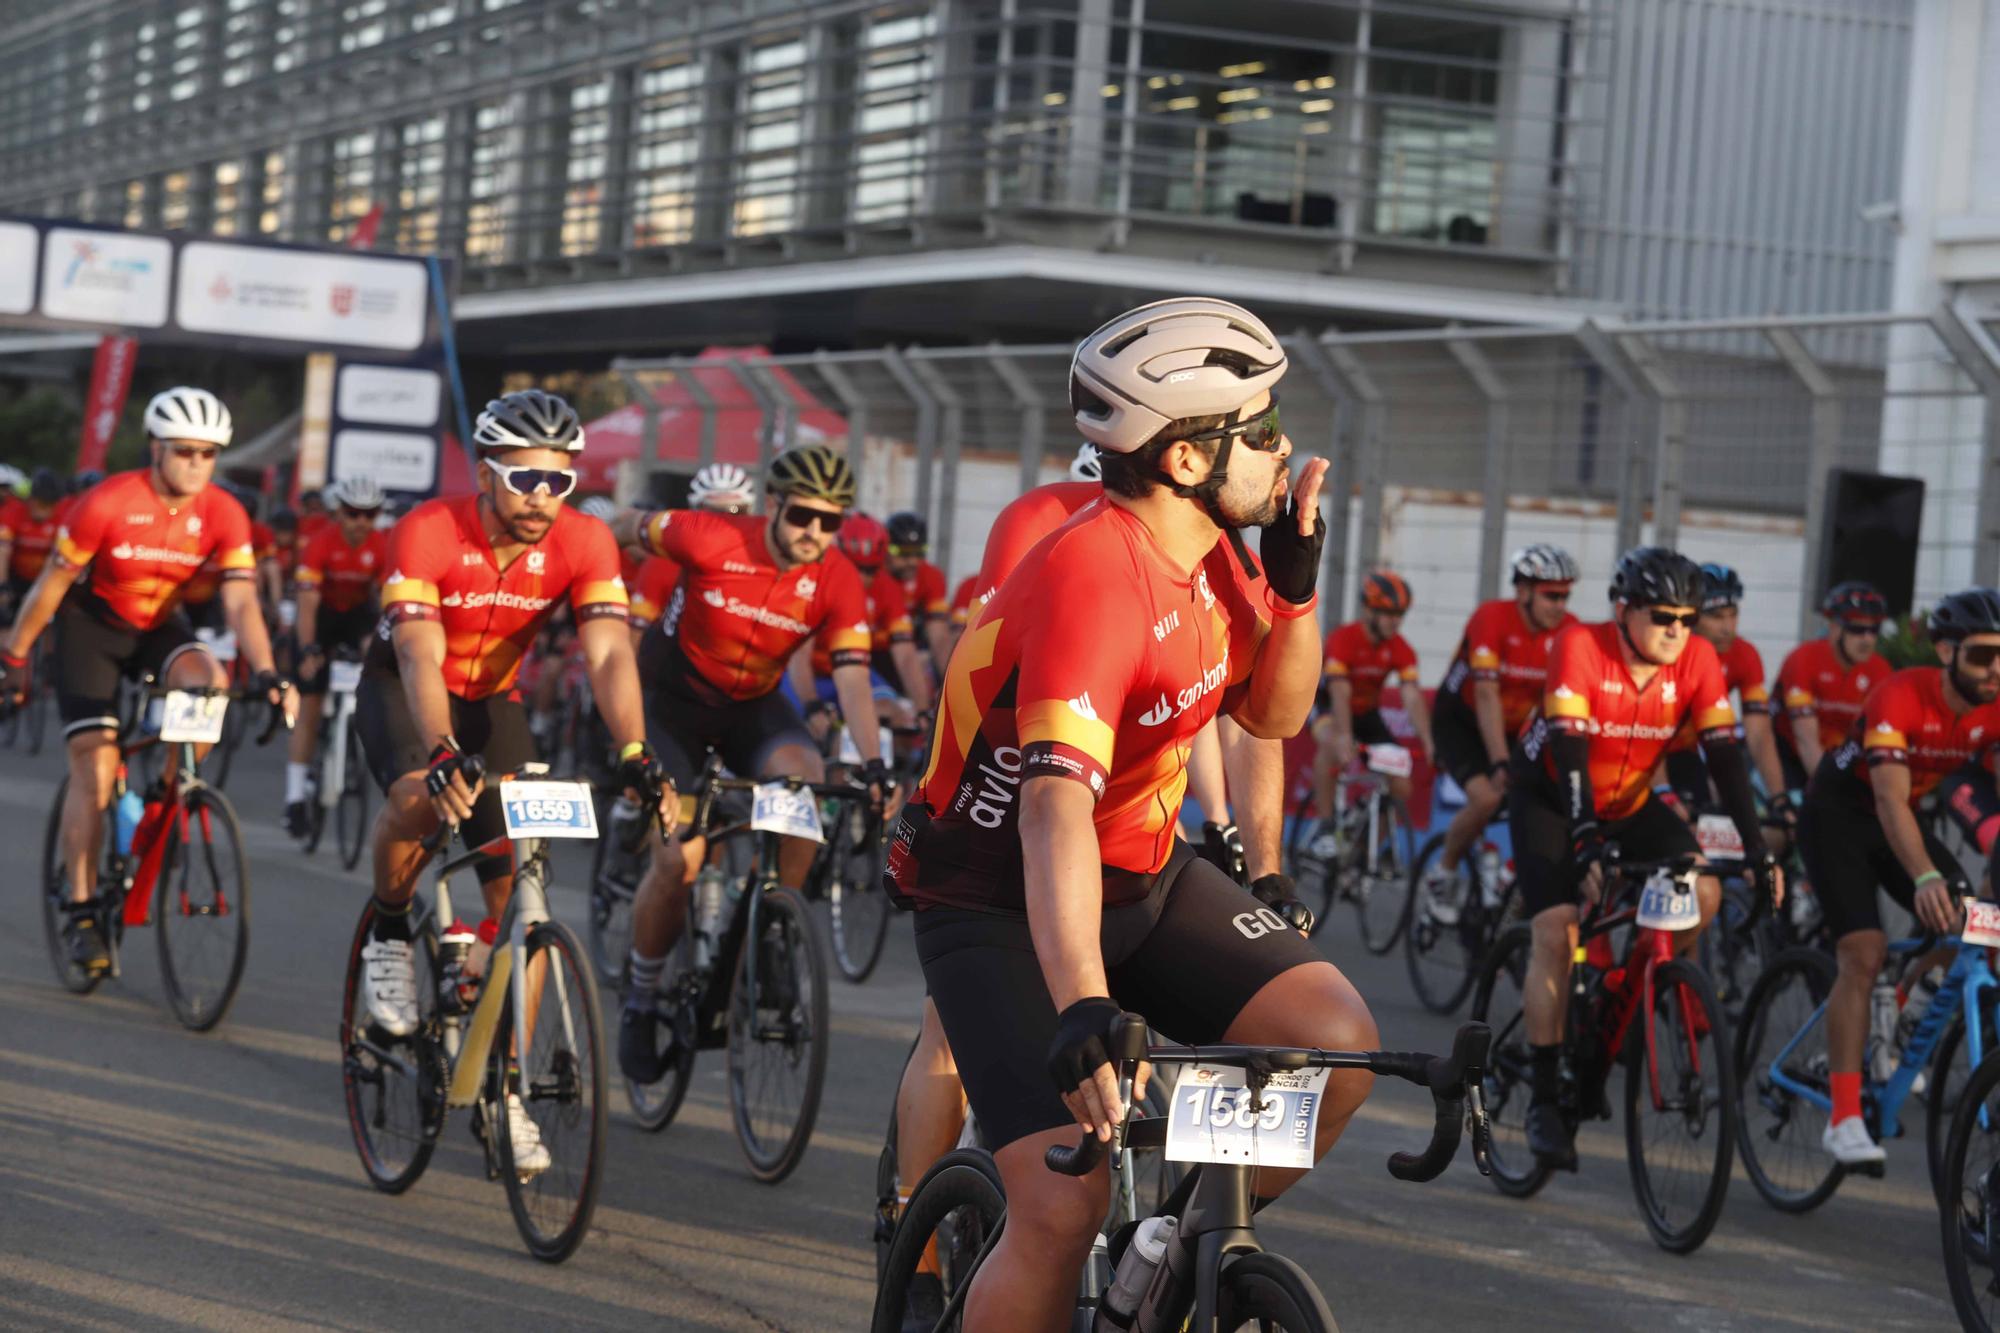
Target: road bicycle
x,y
529,1029
749,975
1362,857
1969,1172
1450,927
1647,1009
1213,1274
181,861
338,779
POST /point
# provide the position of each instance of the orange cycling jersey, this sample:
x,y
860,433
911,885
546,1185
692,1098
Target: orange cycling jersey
x,y
961,600
32,538
1355,656
1906,720
889,619
1742,671
441,567
201,589
1098,661
1815,683
1025,521
344,574
923,591
1500,645
651,581
737,617
142,552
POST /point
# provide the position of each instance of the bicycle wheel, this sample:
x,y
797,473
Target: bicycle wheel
x,y
1680,1108
1734,948
654,1105
777,1037
54,889
1944,1083
36,725
1443,956
614,883
1382,893
315,807
1779,1129
235,722
562,1086
203,910
394,1086
1270,1292
350,813
1972,1187
962,1205
1497,1002
858,907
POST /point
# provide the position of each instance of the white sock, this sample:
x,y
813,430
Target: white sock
x,y
295,782
642,975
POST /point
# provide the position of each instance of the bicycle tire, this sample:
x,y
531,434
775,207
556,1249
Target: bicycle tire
x,y
235,721
54,890
37,722
1516,1172
857,906
1272,1291
393,1162
963,1181
350,813
654,1105
609,922
1798,1177
1685,995
315,807
1444,960
1966,1218
209,811
1381,929
573,1082
785,919
10,724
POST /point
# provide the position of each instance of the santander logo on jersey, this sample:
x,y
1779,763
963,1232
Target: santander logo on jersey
x,y
1167,709
763,615
714,597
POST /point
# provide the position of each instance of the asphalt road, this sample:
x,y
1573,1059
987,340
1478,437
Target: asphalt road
x,y
150,1177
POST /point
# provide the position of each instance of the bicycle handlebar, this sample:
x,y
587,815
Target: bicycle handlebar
x,y
475,766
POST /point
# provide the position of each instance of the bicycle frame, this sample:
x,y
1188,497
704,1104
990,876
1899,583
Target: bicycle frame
x,y
1649,949
333,771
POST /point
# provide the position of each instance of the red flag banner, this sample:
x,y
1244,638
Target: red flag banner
x,y
363,237
110,380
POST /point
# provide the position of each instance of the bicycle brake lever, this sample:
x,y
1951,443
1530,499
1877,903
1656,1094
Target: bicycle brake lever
x,y
1482,1128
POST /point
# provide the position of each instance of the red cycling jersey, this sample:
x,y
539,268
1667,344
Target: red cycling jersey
x,y
651,581
889,619
1099,662
33,538
344,574
142,553
1025,521
738,618
1590,693
441,567
201,589
1906,720
1500,645
1743,672
1355,656
924,591
1815,683
961,600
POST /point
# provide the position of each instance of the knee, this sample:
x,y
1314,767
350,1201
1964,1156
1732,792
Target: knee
x,y
408,805
1862,954
1060,1219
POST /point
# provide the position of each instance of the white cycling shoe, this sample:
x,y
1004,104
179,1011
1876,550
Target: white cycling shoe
x,y
1848,1143
530,1157
1442,891
389,985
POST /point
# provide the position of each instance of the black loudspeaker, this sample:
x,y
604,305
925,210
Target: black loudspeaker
x,y
1870,534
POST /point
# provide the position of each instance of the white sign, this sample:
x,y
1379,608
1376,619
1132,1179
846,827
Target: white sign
x,y
256,292
17,268
776,808
101,277
548,809
1389,760
1215,1118
193,717
390,395
1982,923
1669,903
344,677
849,753
1718,838
395,460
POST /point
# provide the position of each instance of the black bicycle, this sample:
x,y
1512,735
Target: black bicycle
x,y
1451,924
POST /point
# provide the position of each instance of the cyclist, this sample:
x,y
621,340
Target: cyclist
x,y
1361,658
1918,736
1040,847
722,488
1823,681
27,535
753,588
339,575
894,657
1489,692
141,536
285,546
1743,672
1616,694
922,582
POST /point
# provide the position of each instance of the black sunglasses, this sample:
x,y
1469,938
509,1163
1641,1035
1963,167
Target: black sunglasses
x,y
1981,655
1663,619
801,517
1559,595
527,480
190,452
1262,433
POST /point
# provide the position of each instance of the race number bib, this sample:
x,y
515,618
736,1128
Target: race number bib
x,y
1982,923
1667,903
344,677
1392,761
776,808
1215,1118
1718,838
548,810
192,717
850,754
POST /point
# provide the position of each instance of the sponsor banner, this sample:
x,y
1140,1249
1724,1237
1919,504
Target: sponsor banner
x,y
300,296
315,424
110,380
103,277
18,244
389,395
396,460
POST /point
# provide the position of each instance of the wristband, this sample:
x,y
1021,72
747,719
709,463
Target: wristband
x,y
1928,876
12,660
631,749
1281,609
447,747
1663,789
1496,766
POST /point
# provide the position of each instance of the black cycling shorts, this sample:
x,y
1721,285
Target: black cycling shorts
x,y
494,728
683,726
1461,751
91,656
1188,959
338,629
1847,855
1540,829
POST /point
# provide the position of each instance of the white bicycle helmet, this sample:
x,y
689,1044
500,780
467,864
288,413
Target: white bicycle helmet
x,y
1189,356
1085,466
189,414
1543,563
721,483
356,492
598,507
529,419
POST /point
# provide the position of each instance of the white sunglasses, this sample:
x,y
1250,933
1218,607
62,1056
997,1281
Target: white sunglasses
x,y
557,482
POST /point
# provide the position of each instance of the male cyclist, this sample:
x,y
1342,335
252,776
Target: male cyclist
x,y
754,587
1742,672
893,660
1823,681
1489,692
27,535
1861,828
338,575
922,582
1362,657
141,535
471,580
1616,693
1040,848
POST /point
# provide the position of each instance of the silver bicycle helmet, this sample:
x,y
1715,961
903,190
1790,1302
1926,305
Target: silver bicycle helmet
x,y
1542,563
357,492
1189,356
721,483
189,414
529,419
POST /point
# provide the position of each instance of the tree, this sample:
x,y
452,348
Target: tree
x,y
40,428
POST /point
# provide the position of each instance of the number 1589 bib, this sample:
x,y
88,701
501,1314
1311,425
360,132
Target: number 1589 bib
x,y
1215,1119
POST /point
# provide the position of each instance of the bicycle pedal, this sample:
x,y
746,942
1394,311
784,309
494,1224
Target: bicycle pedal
x,y
1873,1170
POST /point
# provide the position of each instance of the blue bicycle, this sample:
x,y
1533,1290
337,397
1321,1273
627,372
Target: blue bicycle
x,y
1782,1067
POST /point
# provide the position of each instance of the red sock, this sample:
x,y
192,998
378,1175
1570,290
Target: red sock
x,y
1846,1095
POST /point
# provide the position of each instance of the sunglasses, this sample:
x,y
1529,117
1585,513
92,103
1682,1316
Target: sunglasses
x,y
1981,655
188,453
367,514
558,482
1662,619
1558,597
1262,433
902,552
1866,631
801,517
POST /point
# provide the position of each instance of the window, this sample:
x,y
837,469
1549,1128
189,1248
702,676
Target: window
x,y
1435,86
665,146
350,183
135,204
586,167
190,36
227,192
893,117
495,183
362,25
274,194
241,41
174,201
288,35
769,138
420,185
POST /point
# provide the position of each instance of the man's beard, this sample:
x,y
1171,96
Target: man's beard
x,y
527,537
1255,514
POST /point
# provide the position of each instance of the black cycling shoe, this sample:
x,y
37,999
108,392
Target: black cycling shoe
x,y
298,822
1549,1137
86,946
639,1056
923,1303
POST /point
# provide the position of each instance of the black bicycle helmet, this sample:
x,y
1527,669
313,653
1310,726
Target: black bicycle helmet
x,y
1656,576
1855,600
84,480
908,529
1974,611
1721,587
46,487
529,419
284,520
813,471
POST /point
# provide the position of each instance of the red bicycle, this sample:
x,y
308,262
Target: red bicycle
x,y
181,859
1631,1001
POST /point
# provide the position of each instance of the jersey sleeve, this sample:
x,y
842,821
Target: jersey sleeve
x,y
1080,653
931,591
82,530
11,515
1403,660
961,600
677,533
1014,534
1756,698
310,571
1484,634
420,550
892,613
234,551
596,582
844,631
1566,695
1338,649
1888,716
1709,711
1795,696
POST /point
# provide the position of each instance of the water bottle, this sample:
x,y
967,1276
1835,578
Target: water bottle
x,y
1135,1273
1916,1003
454,947
1882,1014
1490,884
479,955
710,890
130,811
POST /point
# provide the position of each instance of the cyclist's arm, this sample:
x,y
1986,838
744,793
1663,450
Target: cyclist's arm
x,y
1340,707
800,671
308,621
1492,719
1064,879
614,677
1805,738
39,607
1420,717
1255,772
246,621
1732,782
1762,741
910,669
1284,679
1891,784
271,580
857,706
6,553
938,631
420,646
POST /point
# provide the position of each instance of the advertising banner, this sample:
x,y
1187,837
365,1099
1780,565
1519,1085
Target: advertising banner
x,y
110,380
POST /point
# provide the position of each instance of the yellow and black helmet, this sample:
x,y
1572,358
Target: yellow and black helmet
x,y
813,471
